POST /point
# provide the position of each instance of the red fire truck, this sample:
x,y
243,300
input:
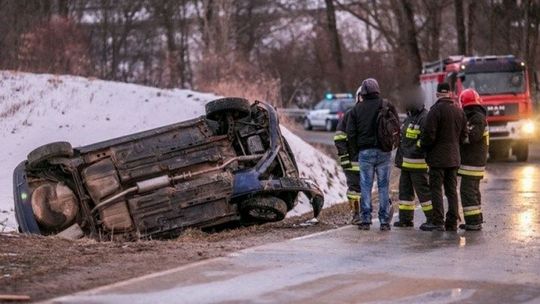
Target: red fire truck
x,y
503,83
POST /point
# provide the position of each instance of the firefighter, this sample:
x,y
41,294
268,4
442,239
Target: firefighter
x,y
473,159
411,159
350,167
444,130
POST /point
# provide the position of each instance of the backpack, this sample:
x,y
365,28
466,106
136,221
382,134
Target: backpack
x,y
388,127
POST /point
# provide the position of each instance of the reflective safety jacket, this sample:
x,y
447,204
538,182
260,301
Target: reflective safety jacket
x,y
475,149
409,155
342,145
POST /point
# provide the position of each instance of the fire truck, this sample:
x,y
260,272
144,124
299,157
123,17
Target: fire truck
x,y
503,84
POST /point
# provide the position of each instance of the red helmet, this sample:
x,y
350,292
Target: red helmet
x,y
469,97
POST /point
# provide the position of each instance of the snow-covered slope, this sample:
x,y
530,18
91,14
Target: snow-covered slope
x,y
38,109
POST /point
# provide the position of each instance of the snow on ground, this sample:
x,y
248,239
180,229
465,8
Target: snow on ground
x,y
38,109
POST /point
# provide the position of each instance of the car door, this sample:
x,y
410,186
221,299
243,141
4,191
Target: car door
x,y
315,115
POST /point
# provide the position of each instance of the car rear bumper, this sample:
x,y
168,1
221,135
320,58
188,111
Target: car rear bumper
x,y
23,205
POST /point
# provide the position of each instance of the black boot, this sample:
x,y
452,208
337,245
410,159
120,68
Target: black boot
x,y
364,226
431,227
469,227
403,224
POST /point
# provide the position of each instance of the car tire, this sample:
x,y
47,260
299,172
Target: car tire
x,y
522,152
56,149
307,124
238,107
264,209
329,125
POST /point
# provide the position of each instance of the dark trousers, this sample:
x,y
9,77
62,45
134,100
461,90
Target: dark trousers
x,y
471,200
411,182
353,189
447,178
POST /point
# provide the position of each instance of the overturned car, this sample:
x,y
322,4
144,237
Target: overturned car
x,y
230,166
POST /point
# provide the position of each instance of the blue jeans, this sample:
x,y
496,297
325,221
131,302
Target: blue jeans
x,y
374,161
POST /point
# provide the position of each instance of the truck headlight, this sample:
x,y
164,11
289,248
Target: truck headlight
x,y
528,127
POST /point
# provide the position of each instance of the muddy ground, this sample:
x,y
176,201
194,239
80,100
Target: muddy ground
x,y
45,267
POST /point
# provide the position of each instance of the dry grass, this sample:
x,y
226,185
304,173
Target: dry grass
x,y
12,109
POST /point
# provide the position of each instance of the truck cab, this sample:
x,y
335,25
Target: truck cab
x,y
503,84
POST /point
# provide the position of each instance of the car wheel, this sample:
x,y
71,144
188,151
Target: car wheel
x,y
307,124
522,152
52,150
329,126
264,209
238,107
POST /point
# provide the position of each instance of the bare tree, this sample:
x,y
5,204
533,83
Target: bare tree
x,y
460,27
335,43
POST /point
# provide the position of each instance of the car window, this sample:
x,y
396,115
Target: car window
x,y
335,107
320,105
346,104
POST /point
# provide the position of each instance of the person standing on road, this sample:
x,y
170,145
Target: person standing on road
x,y
362,130
473,159
350,167
411,159
445,130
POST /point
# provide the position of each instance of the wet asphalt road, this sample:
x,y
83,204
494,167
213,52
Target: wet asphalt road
x,y
315,136
500,264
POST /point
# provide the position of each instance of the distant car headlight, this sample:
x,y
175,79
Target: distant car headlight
x,y
528,127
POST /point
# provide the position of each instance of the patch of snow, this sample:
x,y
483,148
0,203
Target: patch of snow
x,y
37,109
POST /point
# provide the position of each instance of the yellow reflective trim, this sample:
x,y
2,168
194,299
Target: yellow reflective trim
x,y
406,207
340,137
347,162
427,208
472,212
471,173
414,166
419,144
354,168
353,197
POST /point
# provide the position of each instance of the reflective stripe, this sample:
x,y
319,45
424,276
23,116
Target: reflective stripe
x,y
472,212
426,206
414,163
472,168
352,195
406,205
412,133
340,137
344,156
347,162
471,173
419,144
354,168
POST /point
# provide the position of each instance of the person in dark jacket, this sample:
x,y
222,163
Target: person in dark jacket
x,y
362,137
473,159
445,130
350,167
411,159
